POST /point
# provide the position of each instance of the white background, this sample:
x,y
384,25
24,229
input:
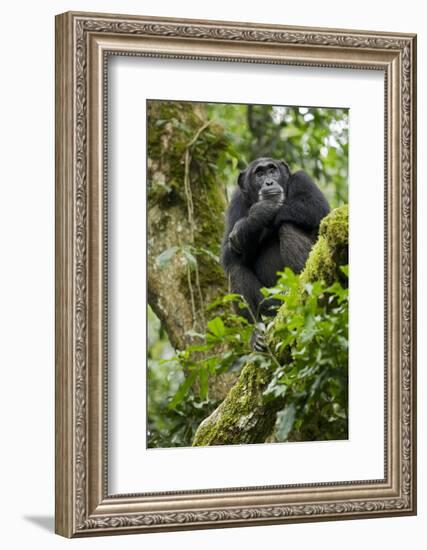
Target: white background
x,y
27,275
131,81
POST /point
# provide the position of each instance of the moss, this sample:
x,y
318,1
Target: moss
x,y
320,264
172,126
330,250
326,256
335,227
237,419
167,140
210,272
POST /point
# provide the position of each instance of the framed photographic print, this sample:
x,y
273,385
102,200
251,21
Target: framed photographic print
x,y
235,274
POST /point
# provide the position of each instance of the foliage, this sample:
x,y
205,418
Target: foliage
x,y
169,426
178,397
314,139
314,379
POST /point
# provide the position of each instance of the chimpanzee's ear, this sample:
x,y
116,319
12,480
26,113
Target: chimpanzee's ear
x,y
241,179
286,168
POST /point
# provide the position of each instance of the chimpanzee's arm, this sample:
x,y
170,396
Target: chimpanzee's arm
x,y
305,204
246,225
237,252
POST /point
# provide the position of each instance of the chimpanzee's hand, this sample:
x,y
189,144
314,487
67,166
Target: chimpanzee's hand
x,y
235,236
265,210
274,193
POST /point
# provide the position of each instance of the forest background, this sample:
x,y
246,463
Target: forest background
x,y
197,347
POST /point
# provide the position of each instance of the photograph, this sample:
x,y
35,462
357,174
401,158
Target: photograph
x,y
247,273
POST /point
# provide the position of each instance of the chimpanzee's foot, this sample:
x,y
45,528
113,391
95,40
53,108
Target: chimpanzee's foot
x,y
257,341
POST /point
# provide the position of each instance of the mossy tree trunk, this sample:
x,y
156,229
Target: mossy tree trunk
x,y
244,416
186,204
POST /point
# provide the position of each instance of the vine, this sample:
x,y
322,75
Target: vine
x,y
192,224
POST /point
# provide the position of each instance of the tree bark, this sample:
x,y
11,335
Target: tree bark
x,y
244,416
186,204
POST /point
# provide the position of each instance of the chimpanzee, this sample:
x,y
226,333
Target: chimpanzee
x,y
272,222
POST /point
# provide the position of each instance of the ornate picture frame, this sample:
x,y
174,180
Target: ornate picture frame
x,y
84,42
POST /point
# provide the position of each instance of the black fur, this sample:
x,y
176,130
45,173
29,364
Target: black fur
x,y
271,223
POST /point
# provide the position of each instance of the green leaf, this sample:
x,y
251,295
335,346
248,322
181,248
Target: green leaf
x,y
183,389
191,260
216,326
197,348
344,269
285,422
165,257
224,300
274,390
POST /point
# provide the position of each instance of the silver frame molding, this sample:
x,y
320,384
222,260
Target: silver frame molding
x,y
83,43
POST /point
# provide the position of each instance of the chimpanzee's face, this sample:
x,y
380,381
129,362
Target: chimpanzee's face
x,y
267,177
264,178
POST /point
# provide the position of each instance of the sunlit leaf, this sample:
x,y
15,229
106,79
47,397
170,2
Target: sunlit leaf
x,y
216,326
